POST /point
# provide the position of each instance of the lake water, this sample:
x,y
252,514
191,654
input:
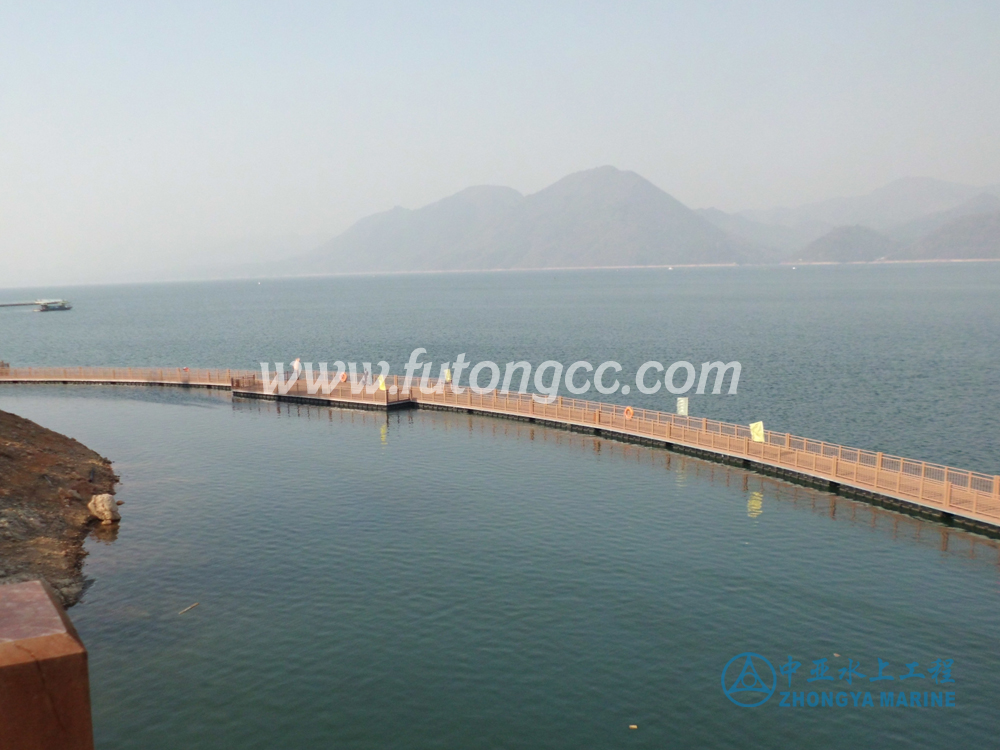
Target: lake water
x,y
902,359
440,580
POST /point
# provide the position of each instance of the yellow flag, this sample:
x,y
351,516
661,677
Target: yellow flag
x,y
757,432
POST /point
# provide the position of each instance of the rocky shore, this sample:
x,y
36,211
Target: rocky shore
x,y
49,502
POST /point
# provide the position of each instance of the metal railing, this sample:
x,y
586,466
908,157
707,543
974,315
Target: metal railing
x,y
957,491
944,488
339,391
121,375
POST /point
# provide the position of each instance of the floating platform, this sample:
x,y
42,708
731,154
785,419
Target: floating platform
x,y
951,495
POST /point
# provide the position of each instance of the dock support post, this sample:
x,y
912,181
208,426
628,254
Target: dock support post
x,y
44,684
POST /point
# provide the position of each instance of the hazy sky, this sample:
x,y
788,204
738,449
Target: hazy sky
x,y
136,135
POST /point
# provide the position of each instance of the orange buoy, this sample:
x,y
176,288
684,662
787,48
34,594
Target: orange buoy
x,y
343,377
629,412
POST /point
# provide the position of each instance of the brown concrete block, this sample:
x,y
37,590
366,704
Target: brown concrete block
x,y
44,683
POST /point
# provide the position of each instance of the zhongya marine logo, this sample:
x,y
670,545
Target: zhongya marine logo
x,y
748,679
746,682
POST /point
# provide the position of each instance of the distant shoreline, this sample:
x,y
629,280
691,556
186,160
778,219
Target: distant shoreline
x,y
884,262
781,264
671,266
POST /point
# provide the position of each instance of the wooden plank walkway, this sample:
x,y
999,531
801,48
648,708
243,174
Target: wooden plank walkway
x,y
934,489
177,376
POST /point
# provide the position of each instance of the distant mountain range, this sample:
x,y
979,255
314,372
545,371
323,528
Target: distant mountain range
x,y
602,217
607,217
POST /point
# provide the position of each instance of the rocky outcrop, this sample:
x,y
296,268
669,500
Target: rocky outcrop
x,y
47,482
104,508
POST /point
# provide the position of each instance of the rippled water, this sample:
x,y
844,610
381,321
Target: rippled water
x,y
903,359
443,580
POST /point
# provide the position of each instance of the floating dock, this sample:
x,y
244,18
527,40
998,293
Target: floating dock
x,y
945,493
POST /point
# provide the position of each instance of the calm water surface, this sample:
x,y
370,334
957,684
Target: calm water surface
x,y
439,580
435,580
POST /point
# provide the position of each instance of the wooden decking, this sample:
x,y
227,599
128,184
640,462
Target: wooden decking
x,y
179,376
940,491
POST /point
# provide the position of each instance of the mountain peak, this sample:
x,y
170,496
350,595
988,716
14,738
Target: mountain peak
x,y
606,176
598,217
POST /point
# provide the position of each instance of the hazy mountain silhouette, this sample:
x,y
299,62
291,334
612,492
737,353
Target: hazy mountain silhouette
x,y
774,240
969,237
601,217
430,238
898,202
912,231
848,245
609,217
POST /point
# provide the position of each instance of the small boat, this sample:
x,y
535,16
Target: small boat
x,y
43,305
52,305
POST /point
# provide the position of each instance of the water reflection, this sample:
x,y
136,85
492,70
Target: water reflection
x,y
683,468
104,534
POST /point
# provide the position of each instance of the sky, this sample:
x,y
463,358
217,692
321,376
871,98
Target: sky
x,y
141,137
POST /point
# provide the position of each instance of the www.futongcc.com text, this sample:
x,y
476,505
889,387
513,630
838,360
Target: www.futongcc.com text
x,y
548,377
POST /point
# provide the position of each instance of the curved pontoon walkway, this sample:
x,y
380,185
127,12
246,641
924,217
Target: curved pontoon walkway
x,y
943,492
